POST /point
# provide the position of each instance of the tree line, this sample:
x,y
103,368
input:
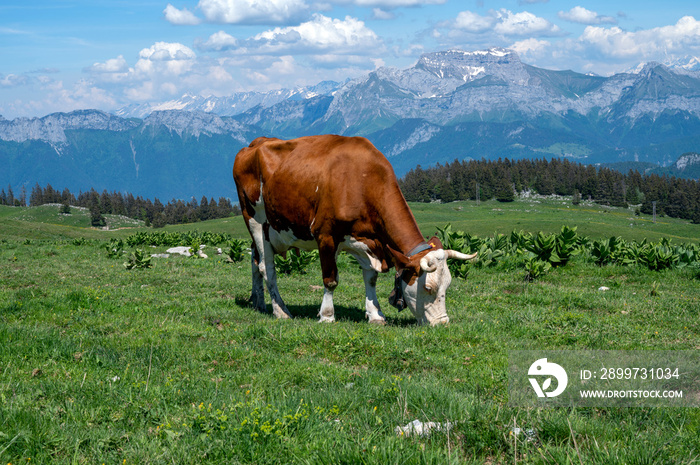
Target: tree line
x,y
503,179
152,212
500,179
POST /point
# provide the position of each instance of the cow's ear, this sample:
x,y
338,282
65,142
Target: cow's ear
x,y
400,260
435,243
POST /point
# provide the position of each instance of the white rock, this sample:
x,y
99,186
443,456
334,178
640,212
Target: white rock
x,y
530,434
603,288
418,428
181,251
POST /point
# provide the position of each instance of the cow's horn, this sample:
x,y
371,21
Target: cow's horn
x,y
460,255
428,266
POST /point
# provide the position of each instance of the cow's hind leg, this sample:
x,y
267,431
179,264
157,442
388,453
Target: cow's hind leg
x,y
257,297
265,264
372,310
329,269
279,309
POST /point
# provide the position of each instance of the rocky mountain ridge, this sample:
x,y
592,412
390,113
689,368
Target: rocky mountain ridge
x,y
449,105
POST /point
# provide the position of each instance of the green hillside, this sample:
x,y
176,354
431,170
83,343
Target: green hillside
x,y
547,215
169,364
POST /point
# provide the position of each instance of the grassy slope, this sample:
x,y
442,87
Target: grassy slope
x,y
100,364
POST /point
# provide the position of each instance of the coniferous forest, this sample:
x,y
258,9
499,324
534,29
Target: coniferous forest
x,y
154,212
503,179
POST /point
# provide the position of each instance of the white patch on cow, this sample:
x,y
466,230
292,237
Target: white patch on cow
x,y
362,253
327,312
255,224
266,267
372,310
284,240
426,296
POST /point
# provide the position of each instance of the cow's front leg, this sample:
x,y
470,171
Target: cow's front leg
x,y
372,310
329,270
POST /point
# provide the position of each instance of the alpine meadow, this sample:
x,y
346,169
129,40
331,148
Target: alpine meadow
x,y
373,232
109,355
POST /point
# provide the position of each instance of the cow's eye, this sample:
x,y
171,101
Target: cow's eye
x,y
429,288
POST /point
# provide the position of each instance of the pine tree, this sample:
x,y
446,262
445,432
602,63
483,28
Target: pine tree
x,y
576,198
10,196
504,190
96,218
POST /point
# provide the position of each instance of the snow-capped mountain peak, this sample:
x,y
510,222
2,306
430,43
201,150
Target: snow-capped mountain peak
x,y
687,63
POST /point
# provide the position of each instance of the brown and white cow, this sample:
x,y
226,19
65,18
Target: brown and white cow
x,y
338,194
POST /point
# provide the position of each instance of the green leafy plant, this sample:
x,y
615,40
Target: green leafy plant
x,y
654,292
488,256
195,245
535,268
138,260
114,248
519,239
603,251
543,247
236,250
567,245
659,257
296,261
173,239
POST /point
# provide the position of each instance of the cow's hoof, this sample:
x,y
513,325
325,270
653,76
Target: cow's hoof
x,y
327,319
378,321
281,314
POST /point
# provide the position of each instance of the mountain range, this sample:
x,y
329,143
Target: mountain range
x,y
450,105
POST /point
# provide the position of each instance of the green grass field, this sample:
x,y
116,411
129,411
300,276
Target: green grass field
x,y
100,364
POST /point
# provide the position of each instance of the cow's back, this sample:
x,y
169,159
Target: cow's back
x,y
315,182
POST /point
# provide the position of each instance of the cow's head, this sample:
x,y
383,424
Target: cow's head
x,y
422,283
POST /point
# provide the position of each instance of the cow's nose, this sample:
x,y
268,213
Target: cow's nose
x,y
440,321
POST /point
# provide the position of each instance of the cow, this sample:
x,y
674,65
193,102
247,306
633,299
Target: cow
x,y
336,193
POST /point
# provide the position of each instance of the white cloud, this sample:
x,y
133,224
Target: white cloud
x,y
606,50
397,3
319,34
113,65
159,70
581,15
13,80
165,58
648,44
378,13
285,66
56,97
279,11
506,23
253,11
523,23
141,93
530,46
219,41
473,22
181,17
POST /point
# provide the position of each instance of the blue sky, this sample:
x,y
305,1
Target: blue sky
x,y
62,55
